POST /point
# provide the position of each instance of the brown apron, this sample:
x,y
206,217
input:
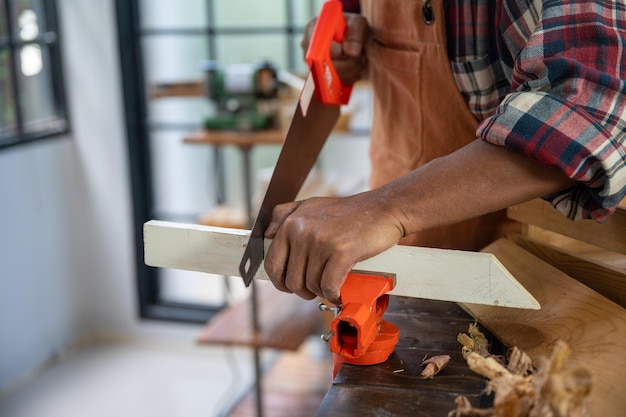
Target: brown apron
x,y
419,112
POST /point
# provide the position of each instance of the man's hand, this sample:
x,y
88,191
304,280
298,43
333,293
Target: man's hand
x,y
349,56
318,241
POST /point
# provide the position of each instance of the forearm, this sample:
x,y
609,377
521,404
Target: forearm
x,y
478,179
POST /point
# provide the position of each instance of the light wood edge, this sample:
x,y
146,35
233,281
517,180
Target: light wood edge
x,y
606,280
610,235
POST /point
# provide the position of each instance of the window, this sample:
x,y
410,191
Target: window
x,y
32,104
168,41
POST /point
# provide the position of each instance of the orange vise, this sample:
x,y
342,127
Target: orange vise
x,y
359,335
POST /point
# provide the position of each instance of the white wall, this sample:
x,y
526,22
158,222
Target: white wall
x,y
38,283
66,246
104,263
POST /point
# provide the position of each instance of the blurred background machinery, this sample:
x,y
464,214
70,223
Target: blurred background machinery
x,y
246,96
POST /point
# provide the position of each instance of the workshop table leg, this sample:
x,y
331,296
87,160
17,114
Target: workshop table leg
x,y
256,328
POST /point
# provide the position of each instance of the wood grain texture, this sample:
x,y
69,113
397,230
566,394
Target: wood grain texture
x,y
597,254
605,279
609,235
420,272
593,326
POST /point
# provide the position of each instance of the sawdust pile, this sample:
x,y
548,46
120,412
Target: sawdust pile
x,y
549,389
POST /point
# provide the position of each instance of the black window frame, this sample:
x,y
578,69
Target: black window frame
x,y
138,128
50,40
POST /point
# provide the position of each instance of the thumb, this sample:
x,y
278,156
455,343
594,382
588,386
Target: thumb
x,y
280,213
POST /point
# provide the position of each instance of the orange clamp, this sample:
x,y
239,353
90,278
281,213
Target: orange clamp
x,y
360,336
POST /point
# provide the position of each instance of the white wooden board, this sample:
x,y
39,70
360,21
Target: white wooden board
x,y
438,274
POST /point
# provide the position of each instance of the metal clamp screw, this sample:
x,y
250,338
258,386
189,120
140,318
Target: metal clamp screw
x,y
326,337
324,307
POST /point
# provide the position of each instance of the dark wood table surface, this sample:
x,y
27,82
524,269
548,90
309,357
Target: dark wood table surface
x,y
395,388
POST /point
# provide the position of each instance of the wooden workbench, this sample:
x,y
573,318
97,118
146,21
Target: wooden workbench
x,y
395,388
576,270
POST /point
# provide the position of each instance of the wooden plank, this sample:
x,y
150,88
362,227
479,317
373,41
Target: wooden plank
x,y
420,272
610,235
597,254
608,281
593,326
285,321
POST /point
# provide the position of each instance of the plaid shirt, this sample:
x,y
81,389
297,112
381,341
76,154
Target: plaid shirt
x,y
547,78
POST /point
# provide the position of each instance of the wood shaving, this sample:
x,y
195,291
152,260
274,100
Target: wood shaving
x,y
519,362
434,365
475,341
465,409
552,389
562,390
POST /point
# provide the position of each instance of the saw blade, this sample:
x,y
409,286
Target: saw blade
x,y
315,116
309,129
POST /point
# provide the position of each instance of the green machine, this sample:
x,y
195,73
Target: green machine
x,y
246,96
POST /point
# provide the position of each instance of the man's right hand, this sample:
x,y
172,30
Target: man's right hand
x,y
348,57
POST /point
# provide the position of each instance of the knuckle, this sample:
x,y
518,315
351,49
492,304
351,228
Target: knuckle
x,y
280,211
357,25
295,225
332,296
332,247
295,286
315,288
274,271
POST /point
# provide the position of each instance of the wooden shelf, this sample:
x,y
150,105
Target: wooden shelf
x,y
237,138
286,321
191,88
225,216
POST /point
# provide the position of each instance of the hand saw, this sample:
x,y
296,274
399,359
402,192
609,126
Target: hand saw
x,y
438,274
315,116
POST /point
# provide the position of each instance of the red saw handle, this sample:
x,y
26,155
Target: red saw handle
x,y
331,26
